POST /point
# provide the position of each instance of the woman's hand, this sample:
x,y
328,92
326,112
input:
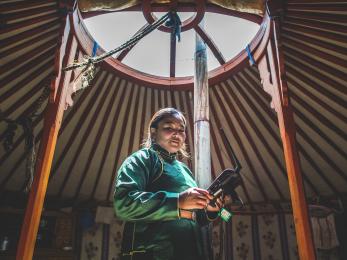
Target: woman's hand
x,y
219,203
194,198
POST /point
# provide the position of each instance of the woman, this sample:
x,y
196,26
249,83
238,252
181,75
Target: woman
x,y
158,198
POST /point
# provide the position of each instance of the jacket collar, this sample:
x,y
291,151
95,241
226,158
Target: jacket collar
x,y
168,157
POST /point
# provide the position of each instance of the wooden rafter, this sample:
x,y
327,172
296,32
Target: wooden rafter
x,y
334,28
274,120
53,118
189,107
134,120
80,102
250,121
84,137
47,48
327,36
184,7
172,55
120,143
219,125
108,143
24,68
240,142
20,47
272,72
8,17
299,74
25,36
143,116
211,44
14,6
19,25
95,143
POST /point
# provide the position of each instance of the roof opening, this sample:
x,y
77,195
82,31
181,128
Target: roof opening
x,y
151,55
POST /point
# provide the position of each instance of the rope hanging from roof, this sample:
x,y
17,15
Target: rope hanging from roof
x,y
26,122
88,68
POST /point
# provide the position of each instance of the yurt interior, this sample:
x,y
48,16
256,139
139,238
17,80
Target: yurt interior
x,y
261,83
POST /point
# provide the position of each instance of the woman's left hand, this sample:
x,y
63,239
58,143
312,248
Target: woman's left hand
x,y
219,203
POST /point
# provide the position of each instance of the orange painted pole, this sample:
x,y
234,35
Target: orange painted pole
x,y
272,72
53,117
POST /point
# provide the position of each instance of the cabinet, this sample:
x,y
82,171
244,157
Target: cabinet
x,y
55,238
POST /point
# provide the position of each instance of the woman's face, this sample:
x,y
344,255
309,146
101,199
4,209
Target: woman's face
x,y
170,134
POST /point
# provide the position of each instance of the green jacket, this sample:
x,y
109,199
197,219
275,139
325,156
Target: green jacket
x,y
146,197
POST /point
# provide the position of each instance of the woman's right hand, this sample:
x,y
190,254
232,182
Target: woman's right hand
x,y
194,198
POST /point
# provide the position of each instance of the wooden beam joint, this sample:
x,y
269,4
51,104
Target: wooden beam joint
x,y
272,73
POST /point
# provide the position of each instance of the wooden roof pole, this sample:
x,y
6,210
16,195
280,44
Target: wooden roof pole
x,y
202,155
272,72
53,116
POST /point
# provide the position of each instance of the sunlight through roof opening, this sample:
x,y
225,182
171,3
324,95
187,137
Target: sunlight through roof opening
x,y
151,55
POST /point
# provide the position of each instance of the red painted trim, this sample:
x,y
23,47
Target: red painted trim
x,y
236,64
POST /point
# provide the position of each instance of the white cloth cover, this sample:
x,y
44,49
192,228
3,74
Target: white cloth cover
x,y
104,215
324,232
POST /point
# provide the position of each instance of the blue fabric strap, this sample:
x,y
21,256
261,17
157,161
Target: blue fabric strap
x,y
250,56
95,47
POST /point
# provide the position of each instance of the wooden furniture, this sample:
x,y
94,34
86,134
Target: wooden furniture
x,y
55,239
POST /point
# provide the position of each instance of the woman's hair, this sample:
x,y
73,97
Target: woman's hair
x,y
159,116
